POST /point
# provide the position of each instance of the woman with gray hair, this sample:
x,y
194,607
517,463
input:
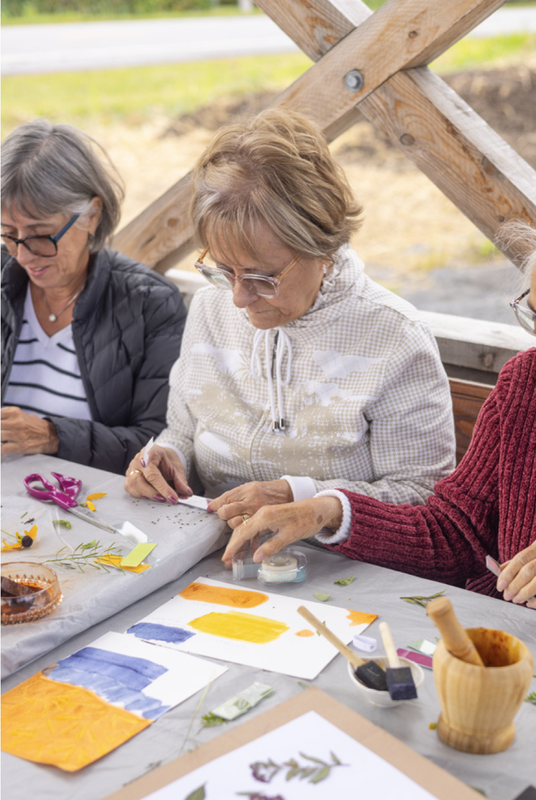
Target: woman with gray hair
x,y
88,335
297,371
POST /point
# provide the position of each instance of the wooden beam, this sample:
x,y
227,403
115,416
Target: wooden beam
x,y
471,164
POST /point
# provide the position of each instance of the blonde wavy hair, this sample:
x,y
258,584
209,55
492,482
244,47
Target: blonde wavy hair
x,y
277,169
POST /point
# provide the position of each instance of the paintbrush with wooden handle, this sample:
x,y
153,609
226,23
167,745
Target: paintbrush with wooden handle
x,y
369,672
399,679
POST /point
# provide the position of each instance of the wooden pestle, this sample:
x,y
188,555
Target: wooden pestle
x,y
455,637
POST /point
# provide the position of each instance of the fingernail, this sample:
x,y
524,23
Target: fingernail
x,y
508,595
190,491
142,462
159,498
517,599
209,510
258,556
501,585
172,499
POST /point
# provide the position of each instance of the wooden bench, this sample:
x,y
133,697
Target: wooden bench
x,y
467,399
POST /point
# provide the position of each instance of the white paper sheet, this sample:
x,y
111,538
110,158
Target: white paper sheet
x,y
291,653
180,677
362,773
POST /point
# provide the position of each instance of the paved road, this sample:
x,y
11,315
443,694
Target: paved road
x,y
71,47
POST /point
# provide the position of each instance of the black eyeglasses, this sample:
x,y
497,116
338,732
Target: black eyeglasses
x,y
526,316
44,246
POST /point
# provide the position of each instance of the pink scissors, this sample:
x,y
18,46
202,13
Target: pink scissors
x,y
64,496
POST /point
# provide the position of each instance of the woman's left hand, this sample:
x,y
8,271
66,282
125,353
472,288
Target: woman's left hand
x,y
518,578
238,504
289,523
27,433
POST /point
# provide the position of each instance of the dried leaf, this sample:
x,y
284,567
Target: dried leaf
x,y
63,522
313,759
422,600
197,794
334,757
321,596
344,581
210,720
323,773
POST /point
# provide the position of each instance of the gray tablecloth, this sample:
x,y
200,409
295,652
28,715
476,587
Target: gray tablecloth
x,y
501,777
184,536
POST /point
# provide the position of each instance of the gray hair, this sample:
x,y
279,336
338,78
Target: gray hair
x,y
50,169
523,235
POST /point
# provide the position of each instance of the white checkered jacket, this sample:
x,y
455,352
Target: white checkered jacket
x,y
356,382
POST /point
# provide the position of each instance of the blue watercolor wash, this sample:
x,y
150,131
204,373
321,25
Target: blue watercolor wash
x,y
135,673
160,633
113,677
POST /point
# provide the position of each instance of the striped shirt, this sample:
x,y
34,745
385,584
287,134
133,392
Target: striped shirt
x,y
45,377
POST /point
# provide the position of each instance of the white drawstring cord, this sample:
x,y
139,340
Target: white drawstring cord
x,y
283,347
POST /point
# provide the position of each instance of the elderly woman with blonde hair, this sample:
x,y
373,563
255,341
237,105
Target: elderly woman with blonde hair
x,y
297,372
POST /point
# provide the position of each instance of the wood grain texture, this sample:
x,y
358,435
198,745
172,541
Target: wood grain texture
x,y
448,141
468,398
478,705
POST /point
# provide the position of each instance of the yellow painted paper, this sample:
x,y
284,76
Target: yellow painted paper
x,y
223,595
96,496
136,556
113,560
67,726
305,632
243,627
360,617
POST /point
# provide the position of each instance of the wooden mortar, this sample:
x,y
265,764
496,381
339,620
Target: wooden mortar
x,y
478,705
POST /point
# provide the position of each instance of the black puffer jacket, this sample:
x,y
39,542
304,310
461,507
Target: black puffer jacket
x,y
127,329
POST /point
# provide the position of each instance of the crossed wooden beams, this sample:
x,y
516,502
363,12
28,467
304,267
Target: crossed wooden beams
x,y
377,63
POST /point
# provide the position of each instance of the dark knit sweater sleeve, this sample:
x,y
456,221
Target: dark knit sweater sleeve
x,y
486,506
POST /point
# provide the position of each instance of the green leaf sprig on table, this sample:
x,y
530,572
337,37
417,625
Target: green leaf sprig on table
x,y
210,720
422,600
86,555
323,598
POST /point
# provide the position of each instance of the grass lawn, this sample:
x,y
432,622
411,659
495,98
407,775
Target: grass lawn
x,y
135,95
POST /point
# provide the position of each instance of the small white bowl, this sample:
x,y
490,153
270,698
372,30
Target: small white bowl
x,y
383,699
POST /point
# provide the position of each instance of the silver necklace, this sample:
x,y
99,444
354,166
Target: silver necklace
x,y
53,317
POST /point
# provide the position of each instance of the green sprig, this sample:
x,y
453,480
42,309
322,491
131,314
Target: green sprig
x,y
531,698
85,555
422,600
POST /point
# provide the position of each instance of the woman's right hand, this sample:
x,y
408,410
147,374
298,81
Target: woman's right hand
x,y
163,478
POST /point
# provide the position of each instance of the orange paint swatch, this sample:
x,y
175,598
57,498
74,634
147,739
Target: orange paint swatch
x,y
243,627
223,596
360,617
67,726
305,633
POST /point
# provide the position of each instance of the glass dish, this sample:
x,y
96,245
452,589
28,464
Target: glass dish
x,y
42,593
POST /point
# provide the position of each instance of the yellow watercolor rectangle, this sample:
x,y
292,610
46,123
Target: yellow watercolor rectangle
x,y
242,627
67,726
223,595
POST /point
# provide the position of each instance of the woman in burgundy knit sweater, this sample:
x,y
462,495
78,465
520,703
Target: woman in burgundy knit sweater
x,y
486,506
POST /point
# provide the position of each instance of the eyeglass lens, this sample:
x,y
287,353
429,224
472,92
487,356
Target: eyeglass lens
x,y
254,284
38,245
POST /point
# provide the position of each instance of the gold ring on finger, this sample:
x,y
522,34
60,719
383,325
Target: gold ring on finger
x,y
245,517
134,471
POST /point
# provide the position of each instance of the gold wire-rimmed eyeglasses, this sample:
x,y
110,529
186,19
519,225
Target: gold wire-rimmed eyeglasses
x,y
262,285
526,316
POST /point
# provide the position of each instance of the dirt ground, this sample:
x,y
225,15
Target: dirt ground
x,y
410,229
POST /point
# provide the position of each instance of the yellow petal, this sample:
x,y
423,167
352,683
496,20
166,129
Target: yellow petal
x,y
96,496
32,533
16,546
90,505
